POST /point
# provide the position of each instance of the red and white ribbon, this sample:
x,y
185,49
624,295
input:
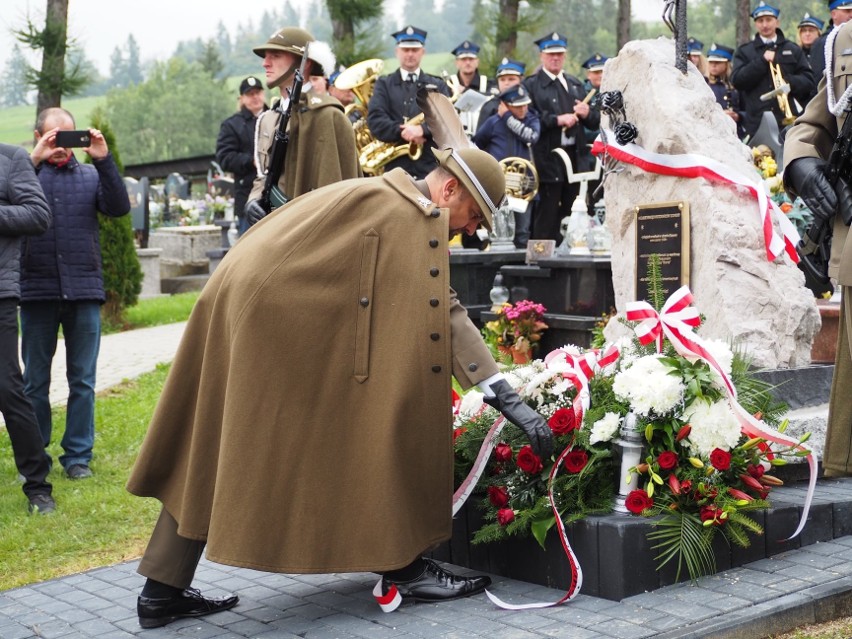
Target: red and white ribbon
x,y
579,368
676,319
574,565
388,601
692,165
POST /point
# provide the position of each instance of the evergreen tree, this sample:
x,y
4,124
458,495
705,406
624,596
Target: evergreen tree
x,y
13,85
117,69
210,59
348,19
121,269
132,66
53,80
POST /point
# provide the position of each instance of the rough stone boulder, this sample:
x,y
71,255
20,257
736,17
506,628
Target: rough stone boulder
x,y
762,306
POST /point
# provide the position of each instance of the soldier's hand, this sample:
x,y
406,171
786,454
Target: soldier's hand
x,y
508,402
254,212
807,178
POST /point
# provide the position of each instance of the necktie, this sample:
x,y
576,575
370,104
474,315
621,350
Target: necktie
x,y
412,78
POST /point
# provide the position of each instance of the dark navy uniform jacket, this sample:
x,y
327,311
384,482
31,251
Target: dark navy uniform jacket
x,y
729,98
752,78
394,101
549,99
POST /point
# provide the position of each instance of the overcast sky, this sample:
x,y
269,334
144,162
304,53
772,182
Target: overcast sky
x,y
157,25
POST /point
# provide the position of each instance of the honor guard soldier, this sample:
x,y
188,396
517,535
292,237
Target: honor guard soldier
x,y
558,100
719,59
394,104
307,165
467,75
509,74
754,63
695,53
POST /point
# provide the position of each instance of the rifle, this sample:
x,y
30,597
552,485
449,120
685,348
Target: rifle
x,y
272,197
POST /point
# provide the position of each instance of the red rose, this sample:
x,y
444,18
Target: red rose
x,y
528,461
720,459
576,460
667,460
498,496
637,501
457,432
563,421
503,452
505,516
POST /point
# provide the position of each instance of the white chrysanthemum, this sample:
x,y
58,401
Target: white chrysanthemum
x,y
648,386
471,404
605,428
721,352
539,386
713,426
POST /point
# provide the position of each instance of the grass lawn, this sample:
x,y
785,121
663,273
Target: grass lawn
x,y
97,522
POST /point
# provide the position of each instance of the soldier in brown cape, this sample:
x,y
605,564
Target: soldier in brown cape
x,y
305,426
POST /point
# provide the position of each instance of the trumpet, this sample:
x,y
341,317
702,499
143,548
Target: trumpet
x,y
780,92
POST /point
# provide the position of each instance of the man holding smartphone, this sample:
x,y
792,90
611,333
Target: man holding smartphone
x,y
62,279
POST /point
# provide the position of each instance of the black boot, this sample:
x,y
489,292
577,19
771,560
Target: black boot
x,y
437,584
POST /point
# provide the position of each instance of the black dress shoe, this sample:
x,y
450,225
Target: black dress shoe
x,y
156,612
436,584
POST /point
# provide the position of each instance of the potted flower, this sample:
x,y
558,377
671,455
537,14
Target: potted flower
x,y
516,331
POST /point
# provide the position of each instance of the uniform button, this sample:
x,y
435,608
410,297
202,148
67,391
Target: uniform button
x,y
435,213
364,302
472,368
436,368
433,301
433,243
435,337
434,272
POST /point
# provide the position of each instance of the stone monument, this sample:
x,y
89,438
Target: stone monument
x,y
763,306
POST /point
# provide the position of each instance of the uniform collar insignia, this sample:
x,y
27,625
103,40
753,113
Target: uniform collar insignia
x,y
315,100
425,202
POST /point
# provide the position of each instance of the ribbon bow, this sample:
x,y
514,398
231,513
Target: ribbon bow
x,y
578,369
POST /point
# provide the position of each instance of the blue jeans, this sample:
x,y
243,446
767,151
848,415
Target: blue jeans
x,y
81,327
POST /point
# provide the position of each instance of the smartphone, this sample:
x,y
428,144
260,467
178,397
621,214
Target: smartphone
x,y
68,139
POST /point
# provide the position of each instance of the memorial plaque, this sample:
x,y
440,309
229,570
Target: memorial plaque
x,y
662,229
539,249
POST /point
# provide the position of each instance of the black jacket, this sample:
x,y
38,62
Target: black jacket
x,y
549,99
23,211
235,153
393,102
751,77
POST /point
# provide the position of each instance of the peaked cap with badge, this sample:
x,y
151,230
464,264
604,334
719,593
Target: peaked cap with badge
x,y
410,37
466,49
553,43
764,9
508,66
595,63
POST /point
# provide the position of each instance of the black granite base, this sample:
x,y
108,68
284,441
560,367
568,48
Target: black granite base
x,y
617,558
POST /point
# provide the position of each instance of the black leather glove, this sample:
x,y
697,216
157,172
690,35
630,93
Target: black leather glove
x,y
807,178
508,402
254,212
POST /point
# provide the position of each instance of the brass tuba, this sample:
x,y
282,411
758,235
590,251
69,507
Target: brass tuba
x,y
521,178
780,92
376,155
361,79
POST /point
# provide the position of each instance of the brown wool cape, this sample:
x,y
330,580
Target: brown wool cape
x,y
305,425
321,150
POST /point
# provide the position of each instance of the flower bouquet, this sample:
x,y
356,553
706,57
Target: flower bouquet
x,y
516,331
706,426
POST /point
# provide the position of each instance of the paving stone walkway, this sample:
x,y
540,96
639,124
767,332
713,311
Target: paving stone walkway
x,y
797,587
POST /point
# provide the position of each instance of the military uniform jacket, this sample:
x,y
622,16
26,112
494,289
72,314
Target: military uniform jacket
x,y
751,77
305,425
321,149
394,102
549,99
813,135
728,98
